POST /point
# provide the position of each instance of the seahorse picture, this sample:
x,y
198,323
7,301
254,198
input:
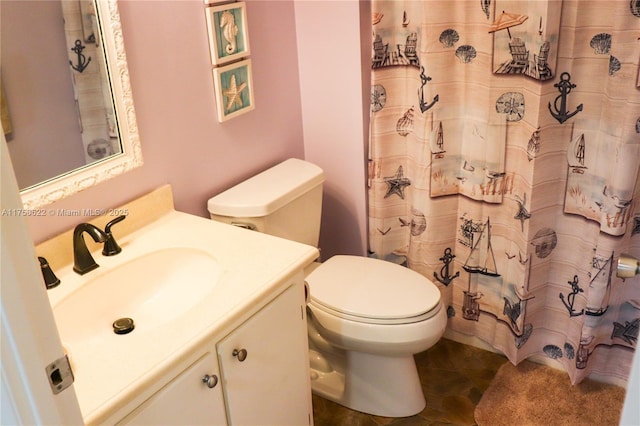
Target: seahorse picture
x,y
228,32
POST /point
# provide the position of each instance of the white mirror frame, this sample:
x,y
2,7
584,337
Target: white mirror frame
x,y
90,175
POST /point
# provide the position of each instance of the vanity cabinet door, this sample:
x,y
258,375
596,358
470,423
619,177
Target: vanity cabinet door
x,y
265,365
189,399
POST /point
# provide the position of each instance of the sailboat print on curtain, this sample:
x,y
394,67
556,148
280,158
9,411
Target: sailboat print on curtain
x,y
481,260
437,142
594,190
575,154
504,296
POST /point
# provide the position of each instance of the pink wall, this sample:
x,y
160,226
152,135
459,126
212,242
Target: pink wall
x,y
334,66
182,142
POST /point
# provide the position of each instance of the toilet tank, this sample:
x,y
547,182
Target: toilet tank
x,y
285,201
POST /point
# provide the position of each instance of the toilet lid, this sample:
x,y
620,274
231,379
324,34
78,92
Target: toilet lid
x,y
371,288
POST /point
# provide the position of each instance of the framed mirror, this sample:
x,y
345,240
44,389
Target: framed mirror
x,y
74,126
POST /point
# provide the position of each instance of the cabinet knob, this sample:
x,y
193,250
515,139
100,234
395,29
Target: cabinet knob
x,y
241,354
210,380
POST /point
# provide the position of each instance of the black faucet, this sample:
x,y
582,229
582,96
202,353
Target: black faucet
x,y
82,260
50,278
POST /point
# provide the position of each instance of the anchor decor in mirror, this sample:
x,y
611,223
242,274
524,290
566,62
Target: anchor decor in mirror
x,y
229,46
82,61
119,151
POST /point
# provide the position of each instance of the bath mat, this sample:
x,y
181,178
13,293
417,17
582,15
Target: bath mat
x,y
533,394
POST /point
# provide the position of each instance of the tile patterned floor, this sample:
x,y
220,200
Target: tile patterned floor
x,y
453,377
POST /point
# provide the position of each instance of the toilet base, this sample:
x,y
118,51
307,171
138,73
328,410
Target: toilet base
x,y
379,385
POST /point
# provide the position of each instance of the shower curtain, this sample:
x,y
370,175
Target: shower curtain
x,y
504,165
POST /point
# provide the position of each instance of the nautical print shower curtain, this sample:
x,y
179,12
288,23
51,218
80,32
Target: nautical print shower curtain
x,y
504,165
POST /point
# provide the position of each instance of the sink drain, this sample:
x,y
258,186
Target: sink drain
x,y
123,326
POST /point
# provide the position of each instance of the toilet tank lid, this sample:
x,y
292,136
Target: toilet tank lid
x,y
266,192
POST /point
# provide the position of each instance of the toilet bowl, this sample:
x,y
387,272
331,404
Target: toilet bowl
x,y
366,317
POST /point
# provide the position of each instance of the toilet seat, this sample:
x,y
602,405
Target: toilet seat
x,y
389,321
372,291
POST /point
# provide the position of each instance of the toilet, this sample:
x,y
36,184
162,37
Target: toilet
x,y
366,317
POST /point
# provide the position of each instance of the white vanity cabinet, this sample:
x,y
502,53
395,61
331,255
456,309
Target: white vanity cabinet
x,y
193,398
265,365
263,376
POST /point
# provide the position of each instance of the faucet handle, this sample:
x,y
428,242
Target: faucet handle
x,y
111,247
50,279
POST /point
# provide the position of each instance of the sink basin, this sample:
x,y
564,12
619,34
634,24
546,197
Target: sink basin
x,y
153,290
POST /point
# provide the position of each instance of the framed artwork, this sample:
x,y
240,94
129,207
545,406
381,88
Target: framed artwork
x,y
228,32
234,89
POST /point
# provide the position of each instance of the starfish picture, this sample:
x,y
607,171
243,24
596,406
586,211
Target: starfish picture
x,y
397,184
232,93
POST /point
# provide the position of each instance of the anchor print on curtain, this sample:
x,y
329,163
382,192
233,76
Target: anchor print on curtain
x,y
504,166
